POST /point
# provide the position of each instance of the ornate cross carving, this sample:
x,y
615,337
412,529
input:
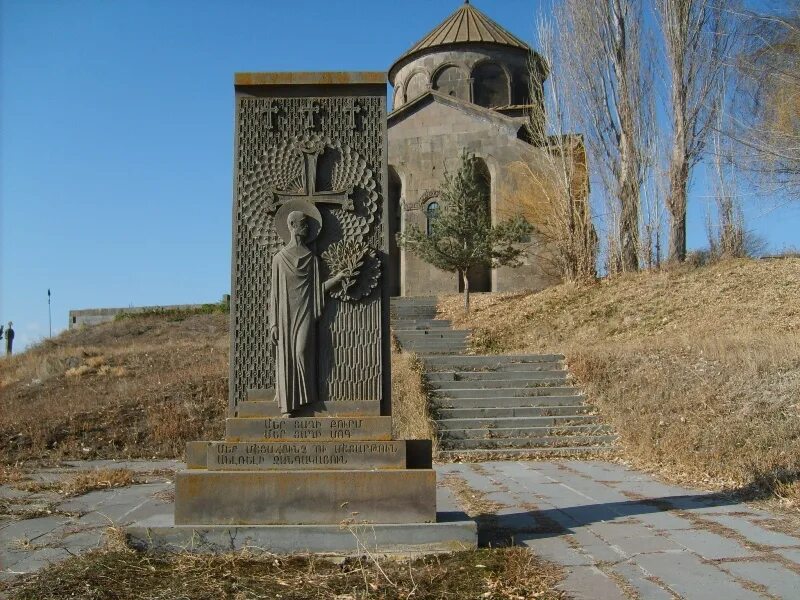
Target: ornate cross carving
x,y
309,191
352,111
270,112
309,111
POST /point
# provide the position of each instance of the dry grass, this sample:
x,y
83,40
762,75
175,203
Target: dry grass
x,y
101,479
506,574
134,388
141,387
697,369
411,412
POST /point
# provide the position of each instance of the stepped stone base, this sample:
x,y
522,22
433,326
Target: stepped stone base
x,y
260,404
445,535
308,429
304,497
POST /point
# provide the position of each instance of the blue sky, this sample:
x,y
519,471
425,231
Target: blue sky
x,y
116,137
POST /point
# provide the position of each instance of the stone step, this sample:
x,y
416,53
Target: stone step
x,y
526,392
479,455
495,426
483,384
436,351
510,401
434,343
509,368
551,441
408,299
420,324
424,348
431,334
437,376
514,411
524,432
490,361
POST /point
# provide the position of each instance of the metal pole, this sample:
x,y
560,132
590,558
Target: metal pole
x,y
49,313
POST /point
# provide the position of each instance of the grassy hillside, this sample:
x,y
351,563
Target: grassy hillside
x,y
698,369
141,387
136,388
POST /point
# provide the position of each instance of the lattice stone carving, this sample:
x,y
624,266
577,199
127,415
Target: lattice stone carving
x,y
277,140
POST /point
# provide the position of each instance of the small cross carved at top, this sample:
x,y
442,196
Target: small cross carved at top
x,y
270,112
309,111
352,111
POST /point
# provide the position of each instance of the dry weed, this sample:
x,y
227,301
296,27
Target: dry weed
x,y
504,574
697,369
411,411
101,479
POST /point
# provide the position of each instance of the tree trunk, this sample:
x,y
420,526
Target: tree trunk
x,y
628,157
676,201
465,278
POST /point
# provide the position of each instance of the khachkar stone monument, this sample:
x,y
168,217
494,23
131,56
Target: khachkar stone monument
x,y
309,439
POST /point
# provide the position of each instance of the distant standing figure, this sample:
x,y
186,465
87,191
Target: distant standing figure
x,y
9,338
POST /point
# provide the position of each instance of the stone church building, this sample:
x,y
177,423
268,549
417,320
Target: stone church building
x,y
465,85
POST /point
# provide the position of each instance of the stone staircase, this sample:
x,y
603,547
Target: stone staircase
x,y
503,405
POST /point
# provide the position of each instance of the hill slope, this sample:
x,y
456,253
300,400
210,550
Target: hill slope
x,y
698,369
135,388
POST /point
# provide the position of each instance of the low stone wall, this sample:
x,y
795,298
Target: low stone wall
x,y
95,316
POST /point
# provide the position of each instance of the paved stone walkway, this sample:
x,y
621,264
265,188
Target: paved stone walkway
x,y
622,534
619,533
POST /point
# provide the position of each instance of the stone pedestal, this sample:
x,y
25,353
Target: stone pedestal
x,y
307,471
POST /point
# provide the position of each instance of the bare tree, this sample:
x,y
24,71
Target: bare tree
x,y
607,65
554,188
764,122
696,43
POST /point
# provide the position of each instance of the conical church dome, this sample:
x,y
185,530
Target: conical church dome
x,y
467,24
468,56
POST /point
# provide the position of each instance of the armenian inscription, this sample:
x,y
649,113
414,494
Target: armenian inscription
x,y
299,429
307,455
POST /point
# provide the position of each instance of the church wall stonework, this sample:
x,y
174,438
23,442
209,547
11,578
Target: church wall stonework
x,y
466,57
424,144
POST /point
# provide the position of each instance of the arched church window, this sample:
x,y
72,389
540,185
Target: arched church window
x,y
431,214
453,82
416,86
491,85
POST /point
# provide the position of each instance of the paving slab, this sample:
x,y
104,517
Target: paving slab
x,y
690,578
791,554
553,548
637,579
778,580
709,545
590,583
754,533
634,538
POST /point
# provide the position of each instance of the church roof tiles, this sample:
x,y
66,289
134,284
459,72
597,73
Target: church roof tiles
x,y
465,25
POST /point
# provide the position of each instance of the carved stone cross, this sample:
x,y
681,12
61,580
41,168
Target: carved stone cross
x,y
310,110
270,112
309,192
352,111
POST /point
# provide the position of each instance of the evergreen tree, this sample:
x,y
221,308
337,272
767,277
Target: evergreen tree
x,y
462,235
